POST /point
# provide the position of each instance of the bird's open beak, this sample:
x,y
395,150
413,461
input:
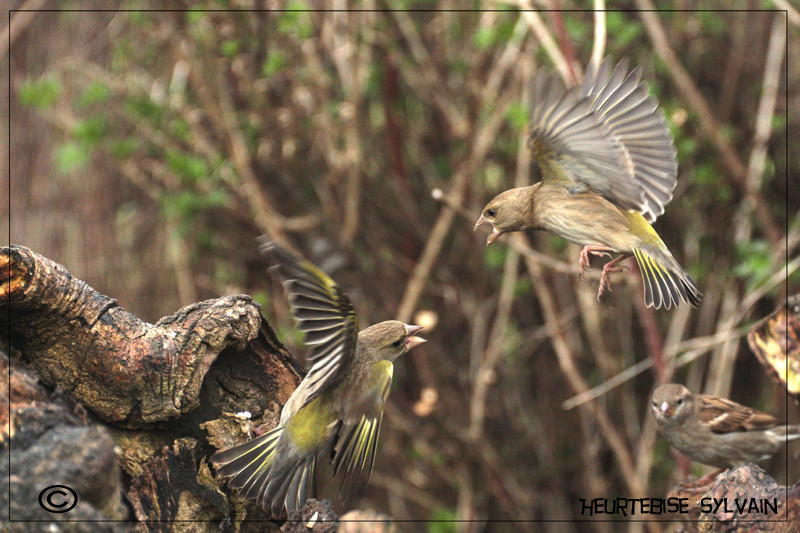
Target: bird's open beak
x,y
412,340
493,235
666,409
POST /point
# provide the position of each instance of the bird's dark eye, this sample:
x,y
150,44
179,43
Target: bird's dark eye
x,y
397,343
679,402
491,212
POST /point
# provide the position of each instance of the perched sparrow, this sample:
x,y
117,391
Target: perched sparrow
x,y
338,407
715,431
608,169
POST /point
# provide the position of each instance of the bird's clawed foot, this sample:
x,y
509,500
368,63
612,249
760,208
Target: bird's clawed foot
x,y
583,259
605,276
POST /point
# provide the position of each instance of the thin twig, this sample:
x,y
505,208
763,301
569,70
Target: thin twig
x,y
566,362
481,143
599,43
18,23
793,14
692,348
546,38
766,105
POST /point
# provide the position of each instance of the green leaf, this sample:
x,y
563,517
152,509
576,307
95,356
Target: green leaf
x,y
40,94
442,520
517,115
144,107
755,262
493,175
139,18
195,15
578,29
186,205
494,257
230,48
622,28
712,23
483,38
91,130
274,63
189,167
296,20
122,148
95,93
71,156
180,128
523,286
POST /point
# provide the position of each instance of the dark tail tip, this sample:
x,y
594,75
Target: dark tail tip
x,y
663,287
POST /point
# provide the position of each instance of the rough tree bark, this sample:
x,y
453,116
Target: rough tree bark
x,y
157,399
734,501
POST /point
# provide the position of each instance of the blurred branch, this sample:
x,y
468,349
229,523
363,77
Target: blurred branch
x,y
351,59
766,105
793,14
709,124
692,348
732,71
419,276
720,374
566,363
599,43
566,45
17,24
498,338
427,80
546,39
782,274
482,141
260,201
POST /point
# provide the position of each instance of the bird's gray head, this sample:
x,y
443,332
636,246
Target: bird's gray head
x,y
389,339
508,211
672,404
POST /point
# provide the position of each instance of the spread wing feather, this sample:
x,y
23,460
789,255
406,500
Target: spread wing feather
x,y
358,438
323,313
608,134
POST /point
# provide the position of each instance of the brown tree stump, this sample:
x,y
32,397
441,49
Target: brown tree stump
x,y
161,391
745,499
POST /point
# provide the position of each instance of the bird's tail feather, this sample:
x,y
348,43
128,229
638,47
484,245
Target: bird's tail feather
x,y
275,485
665,285
290,484
790,432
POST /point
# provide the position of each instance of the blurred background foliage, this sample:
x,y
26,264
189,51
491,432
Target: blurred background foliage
x,y
149,149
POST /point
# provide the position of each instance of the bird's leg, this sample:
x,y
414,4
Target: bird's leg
x,y
594,249
608,268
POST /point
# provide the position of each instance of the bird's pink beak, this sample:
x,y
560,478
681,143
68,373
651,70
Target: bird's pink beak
x,y
493,235
666,409
412,340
